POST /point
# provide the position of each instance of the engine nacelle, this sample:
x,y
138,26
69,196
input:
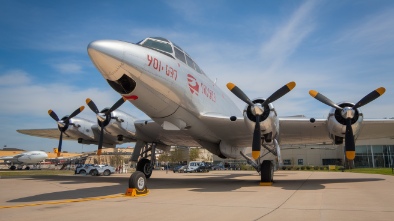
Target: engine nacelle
x,y
81,128
120,125
269,123
336,123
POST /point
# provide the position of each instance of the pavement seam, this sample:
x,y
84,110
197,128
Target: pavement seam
x,y
285,200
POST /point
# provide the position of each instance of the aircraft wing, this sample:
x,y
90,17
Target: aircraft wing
x,y
9,157
377,128
292,130
302,131
295,130
52,133
150,131
299,130
236,131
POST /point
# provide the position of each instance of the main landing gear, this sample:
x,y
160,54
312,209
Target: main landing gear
x,y
266,169
145,166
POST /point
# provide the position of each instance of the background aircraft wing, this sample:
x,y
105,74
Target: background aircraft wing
x,y
9,157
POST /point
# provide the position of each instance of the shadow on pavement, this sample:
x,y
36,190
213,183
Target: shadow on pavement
x,y
208,183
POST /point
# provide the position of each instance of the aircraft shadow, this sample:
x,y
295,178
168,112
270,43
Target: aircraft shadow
x,y
317,184
215,183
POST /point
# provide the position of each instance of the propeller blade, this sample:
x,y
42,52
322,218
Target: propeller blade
x,y
256,144
370,97
350,146
239,93
59,148
116,105
279,93
100,144
76,112
53,115
324,99
92,105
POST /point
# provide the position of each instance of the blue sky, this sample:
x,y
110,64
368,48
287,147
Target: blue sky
x,y
343,49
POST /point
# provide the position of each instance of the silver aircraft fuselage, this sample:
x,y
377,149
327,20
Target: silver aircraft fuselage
x,y
173,93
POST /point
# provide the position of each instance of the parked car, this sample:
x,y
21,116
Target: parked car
x,y
179,169
217,167
197,166
95,170
82,168
193,165
202,169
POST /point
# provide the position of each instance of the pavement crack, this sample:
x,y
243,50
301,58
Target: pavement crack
x,y
302,184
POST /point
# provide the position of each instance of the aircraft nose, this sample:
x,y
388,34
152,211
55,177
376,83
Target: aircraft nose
x,y
107,55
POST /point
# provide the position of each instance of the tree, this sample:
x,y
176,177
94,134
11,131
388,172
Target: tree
x,y
165,157
116,160
194,154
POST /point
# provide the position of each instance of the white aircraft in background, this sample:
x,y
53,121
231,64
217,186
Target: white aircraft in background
x,y
188,109
25,159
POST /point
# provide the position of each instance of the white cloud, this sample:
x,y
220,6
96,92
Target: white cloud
x,y
374,33
14,77
288,37
72,68
35,100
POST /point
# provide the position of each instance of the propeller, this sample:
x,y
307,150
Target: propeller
x,y
258,110
63,124
102,118
348,113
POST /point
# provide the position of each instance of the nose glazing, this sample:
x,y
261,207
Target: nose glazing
x,y
107,55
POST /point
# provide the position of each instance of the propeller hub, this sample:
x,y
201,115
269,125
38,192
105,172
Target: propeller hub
x,y
257,109
61,123
348,112
101,117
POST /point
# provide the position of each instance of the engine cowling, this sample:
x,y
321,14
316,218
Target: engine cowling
x,y
269,123
80,127
336,123
120,125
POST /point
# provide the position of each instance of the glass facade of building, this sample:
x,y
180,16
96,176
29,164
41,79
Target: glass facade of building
x,y
374,156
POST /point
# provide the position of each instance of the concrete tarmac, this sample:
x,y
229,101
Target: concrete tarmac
x,y
217,195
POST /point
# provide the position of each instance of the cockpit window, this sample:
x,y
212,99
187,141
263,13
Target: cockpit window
x,y
180,55
198,68
189,62
170,49
162,46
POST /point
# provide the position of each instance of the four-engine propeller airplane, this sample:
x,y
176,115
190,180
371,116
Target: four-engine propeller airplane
x,y
188,109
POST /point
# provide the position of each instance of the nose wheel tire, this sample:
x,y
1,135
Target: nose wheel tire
x,y
267,171
138,181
